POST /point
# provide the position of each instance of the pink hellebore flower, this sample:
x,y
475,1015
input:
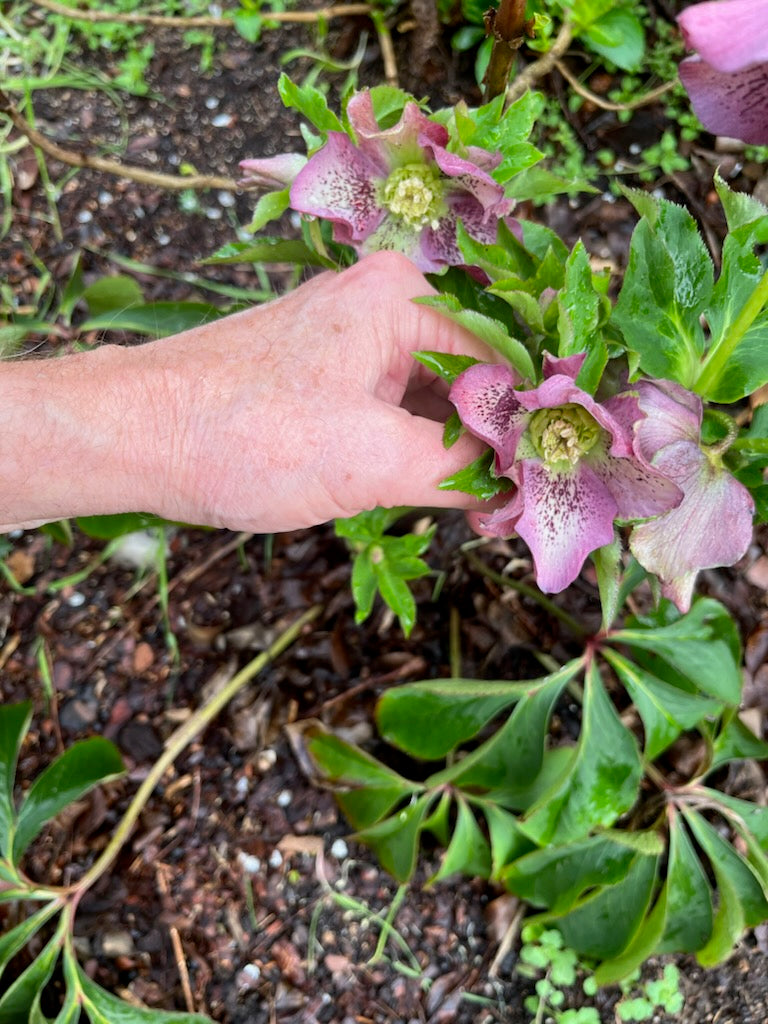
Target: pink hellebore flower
x,y
713,524
728,80
399,188
571,458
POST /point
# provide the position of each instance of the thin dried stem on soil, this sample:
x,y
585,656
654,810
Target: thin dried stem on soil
x,y
387,48
181,738
647,97
178,948
546,63
140,175
202,20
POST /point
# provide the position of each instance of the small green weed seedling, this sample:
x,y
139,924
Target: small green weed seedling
x,y
662,994
557,968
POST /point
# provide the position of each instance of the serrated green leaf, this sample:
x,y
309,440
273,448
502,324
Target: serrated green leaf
x,y
579,304
14,723
370,526
431,718
75,772
492,332
104,1008
689,896
310,102
17,937
605,923
667,287
602,782
608,569
468,852
396,839
665,710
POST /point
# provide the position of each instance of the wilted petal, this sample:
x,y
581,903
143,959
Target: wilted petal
x,y
566,516
272,172
728,34
339,183
712,526
639,491
669,413
733,104
488,407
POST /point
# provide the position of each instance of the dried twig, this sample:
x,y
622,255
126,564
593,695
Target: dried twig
x,y
546,63
140,175
647,97
203,20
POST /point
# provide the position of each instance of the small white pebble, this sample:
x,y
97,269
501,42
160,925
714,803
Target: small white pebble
x,y
226,199
213,213
252,971
266,759
162,238
105,197
284,798
84,217
76,600
635,149
275,859
249,863
221,120
241,786
212,102
339,849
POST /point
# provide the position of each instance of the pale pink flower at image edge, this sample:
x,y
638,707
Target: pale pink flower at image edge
x,y
727,80
574,467
712,526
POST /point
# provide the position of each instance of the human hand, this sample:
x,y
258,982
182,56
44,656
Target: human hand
x,y
302,410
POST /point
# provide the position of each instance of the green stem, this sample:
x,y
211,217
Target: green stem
x,y
181,738
522,588
717,358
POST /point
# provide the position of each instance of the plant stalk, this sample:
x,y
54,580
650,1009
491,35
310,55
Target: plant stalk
x,y
508,27
718,356
182,737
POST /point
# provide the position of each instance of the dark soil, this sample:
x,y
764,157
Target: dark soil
x,y
239,856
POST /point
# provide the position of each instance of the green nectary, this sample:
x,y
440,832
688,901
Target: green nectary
x,y
563,434
413,193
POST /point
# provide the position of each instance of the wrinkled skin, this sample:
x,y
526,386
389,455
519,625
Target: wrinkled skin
x,y
275,418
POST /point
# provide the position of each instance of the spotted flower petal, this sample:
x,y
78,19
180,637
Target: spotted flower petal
x,y
339,182
567,514
489,407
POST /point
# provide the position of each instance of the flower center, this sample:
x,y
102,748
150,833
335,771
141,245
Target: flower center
x,y
564,434
413,192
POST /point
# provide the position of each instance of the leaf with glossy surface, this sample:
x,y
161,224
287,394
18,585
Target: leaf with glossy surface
x,y
602,782
688,923
507,841
429,719
16,1001
468,852
156,319
84,765
17,937
665,710
605,923
396,839
14,723
737,743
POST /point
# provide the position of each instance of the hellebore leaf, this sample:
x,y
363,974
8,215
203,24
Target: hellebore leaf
x,y
468,852
602,782
688,925
14,723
